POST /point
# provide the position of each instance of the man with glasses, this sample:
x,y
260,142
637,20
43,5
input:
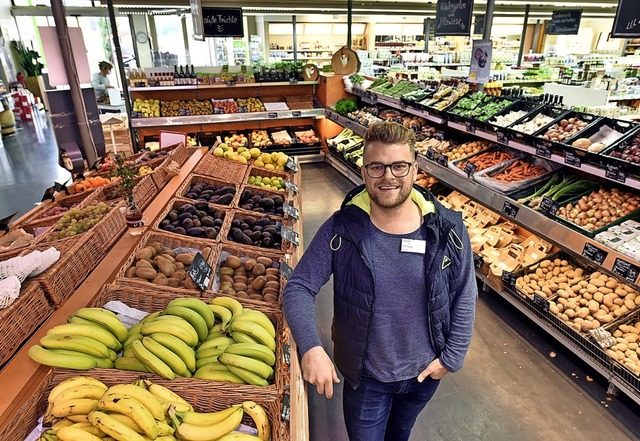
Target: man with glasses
x,y
404,293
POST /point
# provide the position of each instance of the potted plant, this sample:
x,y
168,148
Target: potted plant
x,y
29,61
127,172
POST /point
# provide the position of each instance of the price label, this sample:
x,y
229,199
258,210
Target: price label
x,y
231,83
403,105
543,151
286,408
290,186
272,115
470,126
470,168
286,352
291,211
348,123
603,337
570,158
293,81
285,270
549,206
292,165
49,194
296,114
431,154
439,135
4,223
443,160
625,269
200,272
541,302
508,279
478,261
614,172
510,209
502,137
594,254
374,96
290,235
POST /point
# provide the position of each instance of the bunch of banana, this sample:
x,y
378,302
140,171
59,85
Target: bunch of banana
x,y
73,399
91,339
209,426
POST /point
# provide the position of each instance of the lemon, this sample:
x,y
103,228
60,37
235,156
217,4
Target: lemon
x,y
218,152
265,158
258,163
269,166
255,152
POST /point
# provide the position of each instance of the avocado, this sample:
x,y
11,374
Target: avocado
x,y
201,204
257,228
176,223
170,229
245,196
256,235
207,221
165,223
201,214
244,226
172,216
196,232
235,223
278,201
225,199
184,216
246,240
236,234
187,208
247,207
180,230
210,233
214,198
250,221
187,224
263,221
258,209
266,203
218,222
267,242
192,195
196,222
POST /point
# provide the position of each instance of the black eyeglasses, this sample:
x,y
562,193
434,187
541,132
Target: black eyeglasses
x,y
398,169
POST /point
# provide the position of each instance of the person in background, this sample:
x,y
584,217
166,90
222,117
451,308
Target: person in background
x,y
404,293
100,80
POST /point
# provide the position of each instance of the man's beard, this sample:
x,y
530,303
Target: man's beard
x,y
392,200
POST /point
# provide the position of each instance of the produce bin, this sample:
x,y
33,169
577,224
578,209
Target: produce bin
x,y
496,155
192,180
253,190
606,130
622,152
240,215
559,145
625,370
212,210
220,168
525,106
516,129
508,185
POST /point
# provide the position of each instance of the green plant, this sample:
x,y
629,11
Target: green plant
x,y
28,59
356,78
127,172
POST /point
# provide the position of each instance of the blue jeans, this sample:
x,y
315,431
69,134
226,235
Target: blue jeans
x,y
379,411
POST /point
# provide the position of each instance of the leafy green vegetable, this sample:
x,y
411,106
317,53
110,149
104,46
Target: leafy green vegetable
x,y
346,105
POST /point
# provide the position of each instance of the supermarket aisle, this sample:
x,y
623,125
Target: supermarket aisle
x,y
507,389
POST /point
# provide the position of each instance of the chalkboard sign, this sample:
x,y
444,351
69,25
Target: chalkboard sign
x,y
285,270
594,254
453,17
290,186
565,22
541,302
614,172
470,126
440,135
625,269
222,22
478,261
508,279
510,209
292,165
627,21
4,222
548,205
543,151
502,137
431,154
572,159
285,414
290,235
286,352
200,272
49,194
478,24
443,160
291,211
470,168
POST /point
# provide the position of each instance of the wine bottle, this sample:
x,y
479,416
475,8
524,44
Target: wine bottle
x,y
194,79
175,75
182,76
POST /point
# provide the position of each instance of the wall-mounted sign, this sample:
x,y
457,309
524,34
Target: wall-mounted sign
x,y
453,17
565,22
222,22
627,21
480,70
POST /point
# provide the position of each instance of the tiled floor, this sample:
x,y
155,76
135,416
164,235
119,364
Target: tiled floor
x,y
510,388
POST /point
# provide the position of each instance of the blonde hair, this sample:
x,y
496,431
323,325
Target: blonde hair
x,y
387,132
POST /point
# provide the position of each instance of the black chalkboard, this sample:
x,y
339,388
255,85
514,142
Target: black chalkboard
x,y
478,24
627,21
625,269
222,22
565,22
453,17
594,253
200,272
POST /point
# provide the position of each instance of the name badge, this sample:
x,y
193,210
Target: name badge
x,y
413,246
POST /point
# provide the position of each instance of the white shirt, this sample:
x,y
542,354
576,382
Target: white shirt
x,y
100,83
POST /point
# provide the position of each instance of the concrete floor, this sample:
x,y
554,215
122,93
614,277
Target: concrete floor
x,y
510,388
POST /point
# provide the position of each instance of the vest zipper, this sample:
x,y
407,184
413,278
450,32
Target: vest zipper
x,y
373,302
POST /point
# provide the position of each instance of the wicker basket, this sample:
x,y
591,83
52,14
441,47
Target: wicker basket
x,y
22,318
160,174
152,301
223,169
143,193
237,214
197,179
180,154
264,192
67,201
170,241
265,172
179,202
244,253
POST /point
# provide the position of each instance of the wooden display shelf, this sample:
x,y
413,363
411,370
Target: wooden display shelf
x,y
21,377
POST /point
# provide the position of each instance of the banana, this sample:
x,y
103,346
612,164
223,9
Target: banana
x,y
135,328
102,363
241,337
193,432
256,366
258,317
221,314
216,343
132,408
178,347
128,351
191,316
248,376
167,395
126,421
212,372
173,325
206,361
87,427
254,330
105,318
230,303
205,418
197,305
72,383
82,391
151,362
77,406
49,358
260,417
164,429
94,331
130,364
62,423
76,343
113,427
113,355
253,350
132,336
208,353
169,358
150,317
78,418
239,436
76,434
142,395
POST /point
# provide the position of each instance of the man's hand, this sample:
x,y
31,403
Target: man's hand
x,y
435,370
318,369
109,86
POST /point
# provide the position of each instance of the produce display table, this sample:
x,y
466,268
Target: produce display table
x,y
21,377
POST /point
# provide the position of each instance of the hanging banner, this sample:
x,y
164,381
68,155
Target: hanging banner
x,y
565,22
196,17
480,70
453,17
627,21
222,22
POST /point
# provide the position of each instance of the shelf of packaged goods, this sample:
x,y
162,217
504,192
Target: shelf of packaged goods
x,y
137,123
344,169
624,97
216,86
334,116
